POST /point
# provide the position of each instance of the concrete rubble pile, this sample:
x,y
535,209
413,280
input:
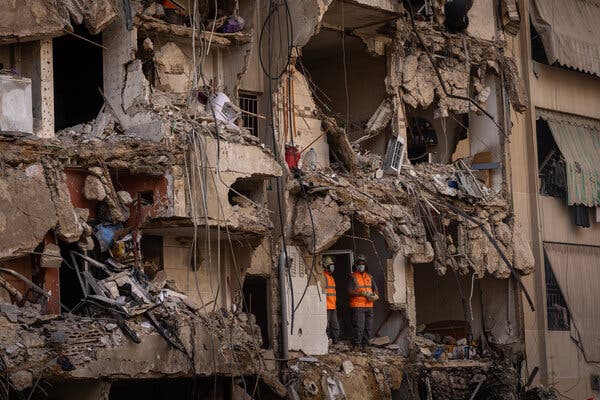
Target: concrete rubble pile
x,y
382,374
81,346
171,114
463,68
401,210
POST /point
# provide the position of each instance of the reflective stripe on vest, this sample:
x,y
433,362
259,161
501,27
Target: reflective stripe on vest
x,y
362,281
330,291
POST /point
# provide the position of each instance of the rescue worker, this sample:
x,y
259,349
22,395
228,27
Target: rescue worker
x,y
363,292
333,327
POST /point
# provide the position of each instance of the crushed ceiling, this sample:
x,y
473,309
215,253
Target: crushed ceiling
x,y
23,20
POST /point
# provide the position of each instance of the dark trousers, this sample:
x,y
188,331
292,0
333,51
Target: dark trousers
x,y
362,324
333,326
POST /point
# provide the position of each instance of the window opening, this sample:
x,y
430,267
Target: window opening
x,y
249,104
256,303
551,165
556,305
77,77
538,53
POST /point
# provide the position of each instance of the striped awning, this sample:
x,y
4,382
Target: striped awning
x,y
578,139
569,30
577,271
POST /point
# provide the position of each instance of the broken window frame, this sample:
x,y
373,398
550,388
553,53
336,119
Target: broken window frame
x,y
548,155
554,297
394,155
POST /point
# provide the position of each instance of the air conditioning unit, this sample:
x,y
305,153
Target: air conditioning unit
x,y
16,113
394,155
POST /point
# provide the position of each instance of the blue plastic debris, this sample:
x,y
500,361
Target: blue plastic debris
x,y
105,234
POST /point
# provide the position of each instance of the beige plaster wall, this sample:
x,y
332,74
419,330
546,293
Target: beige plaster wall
x,y
308,131
558,225
482,20
545,218
310,318
176,255
566,91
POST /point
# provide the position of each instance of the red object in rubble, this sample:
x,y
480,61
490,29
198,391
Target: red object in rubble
x,y
169,5
292,156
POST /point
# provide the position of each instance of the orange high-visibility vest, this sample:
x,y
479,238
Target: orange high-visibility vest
x,y
362,282
330,291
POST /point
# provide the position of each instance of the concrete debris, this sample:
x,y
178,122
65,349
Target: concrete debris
x,y
36,194
308,359
511,19
335,389
320,221
380,341
377,203
340,142
124,197
30,19
51,257
21,379
379,120
311,387
87,345
94,189
347,367
354,379
460,55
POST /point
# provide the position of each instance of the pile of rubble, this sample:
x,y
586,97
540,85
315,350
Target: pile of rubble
x,y
432,347
335,375
460,55
163,117
36,345
431,213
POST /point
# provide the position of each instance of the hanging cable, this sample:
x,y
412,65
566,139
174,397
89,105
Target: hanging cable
x,y
274,8
268,71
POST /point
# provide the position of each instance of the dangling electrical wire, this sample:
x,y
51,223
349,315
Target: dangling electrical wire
x,y
268,71
273,9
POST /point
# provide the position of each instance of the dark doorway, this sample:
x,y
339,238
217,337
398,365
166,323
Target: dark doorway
x,y
77,77
163,389
255,302
372,246
70,288
343,270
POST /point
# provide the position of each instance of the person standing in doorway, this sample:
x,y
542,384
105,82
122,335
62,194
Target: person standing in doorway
x,y
363,293
333,326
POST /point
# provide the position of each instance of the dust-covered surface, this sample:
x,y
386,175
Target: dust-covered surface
x,y
385,373
417,215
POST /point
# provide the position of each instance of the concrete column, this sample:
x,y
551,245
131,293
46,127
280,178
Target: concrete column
x,y
45,124
35,61
411,306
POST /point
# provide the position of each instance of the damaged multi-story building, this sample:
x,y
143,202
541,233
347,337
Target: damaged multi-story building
x,y
174,172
